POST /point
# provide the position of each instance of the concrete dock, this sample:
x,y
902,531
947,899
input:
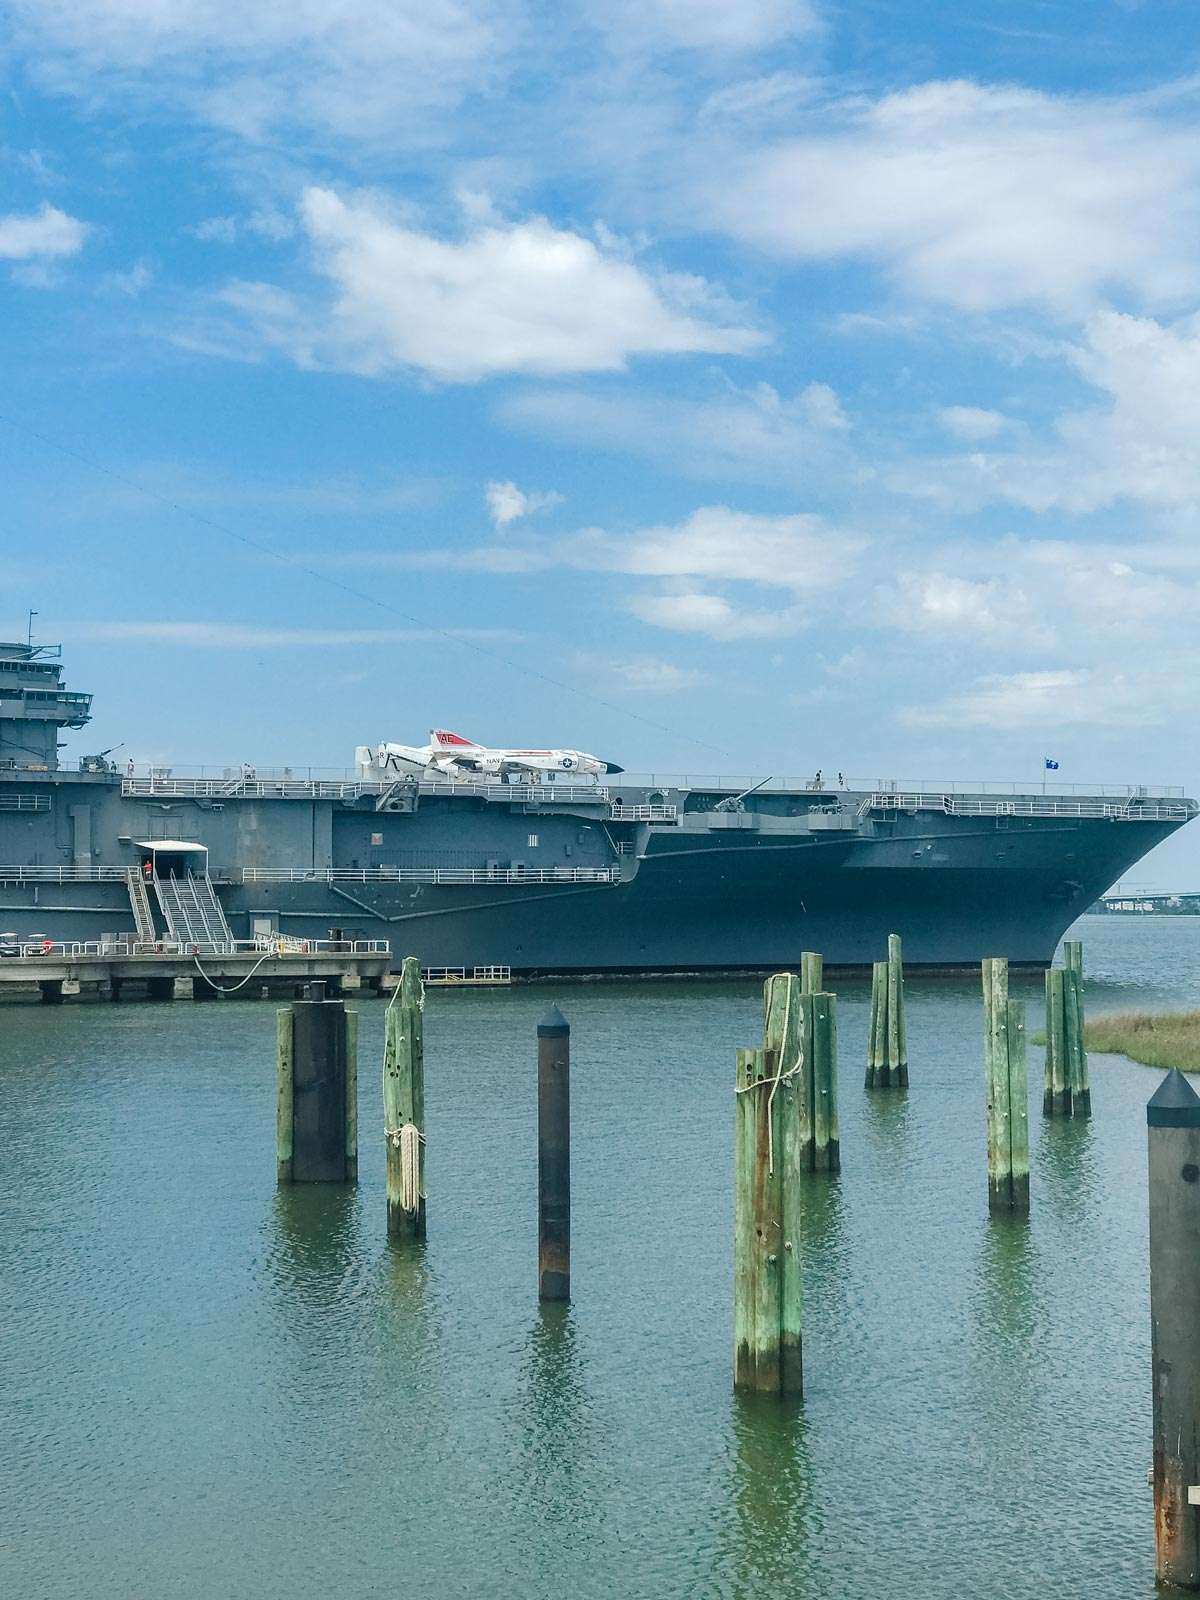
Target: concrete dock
x,y
112,970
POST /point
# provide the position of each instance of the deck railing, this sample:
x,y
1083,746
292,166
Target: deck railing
x,y
68,873
443,875
1128,810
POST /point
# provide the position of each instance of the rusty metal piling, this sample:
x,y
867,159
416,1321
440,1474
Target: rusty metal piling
x,y
554,1156
1173,1133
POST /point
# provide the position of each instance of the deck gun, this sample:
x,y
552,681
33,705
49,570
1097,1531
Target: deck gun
x,y
733,802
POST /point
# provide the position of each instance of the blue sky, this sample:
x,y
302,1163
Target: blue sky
x,y
744,386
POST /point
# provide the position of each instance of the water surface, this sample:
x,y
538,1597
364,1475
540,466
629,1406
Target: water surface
x,y
211,1387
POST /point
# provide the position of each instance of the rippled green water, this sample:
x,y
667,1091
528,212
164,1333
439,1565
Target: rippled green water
x,y
211,1388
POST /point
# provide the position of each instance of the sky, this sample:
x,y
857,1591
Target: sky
x,y
721,386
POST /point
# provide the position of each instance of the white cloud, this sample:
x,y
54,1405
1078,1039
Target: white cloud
x,y
979,197
645,674
130,282
714,616
505,297
355,68
1141,445
753,433
48,234
1081,600
1097,697
942,603
972,423
506,503
801,552
721,25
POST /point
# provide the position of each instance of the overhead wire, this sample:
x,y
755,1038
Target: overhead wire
x,y
346,588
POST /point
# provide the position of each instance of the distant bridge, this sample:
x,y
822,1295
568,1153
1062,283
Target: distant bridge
x,y
1133,899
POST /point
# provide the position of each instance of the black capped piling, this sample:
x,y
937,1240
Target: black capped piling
x,y
1173,1131
1006,1077
404,1104
316,1109
554,1156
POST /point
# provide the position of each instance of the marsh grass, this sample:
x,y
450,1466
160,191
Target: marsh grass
x,y
1166,1039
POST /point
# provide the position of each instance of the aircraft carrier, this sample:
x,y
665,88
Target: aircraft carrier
x,y
675,875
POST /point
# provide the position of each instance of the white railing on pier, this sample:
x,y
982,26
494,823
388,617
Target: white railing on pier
x,y
449,976
280,945
1129,810
443,875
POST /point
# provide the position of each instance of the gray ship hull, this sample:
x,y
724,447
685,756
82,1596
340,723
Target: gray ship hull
x,y
687,876
700,893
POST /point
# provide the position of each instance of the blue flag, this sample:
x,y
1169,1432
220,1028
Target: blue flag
x,y
1051,765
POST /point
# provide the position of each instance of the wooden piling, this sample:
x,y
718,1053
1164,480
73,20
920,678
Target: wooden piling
x,y
897,1022
1056,1095
887,1038
554,1156
812,972
1007,1091
1173,1131
316,1116
404,1105
1078,1084
283,1096
826,1156
770,1122
1018,1106
878,1076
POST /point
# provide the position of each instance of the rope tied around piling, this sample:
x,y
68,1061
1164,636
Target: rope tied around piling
x,y
408,1139
780,1077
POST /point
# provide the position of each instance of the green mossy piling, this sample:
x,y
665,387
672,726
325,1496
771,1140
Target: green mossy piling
x,y
887,1034
812,972
786,1124
1006,1079
1067,1091
404,1105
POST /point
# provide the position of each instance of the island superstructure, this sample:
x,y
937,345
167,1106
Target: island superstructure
x,y
678,875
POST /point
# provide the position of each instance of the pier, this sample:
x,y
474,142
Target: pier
x,y
55,970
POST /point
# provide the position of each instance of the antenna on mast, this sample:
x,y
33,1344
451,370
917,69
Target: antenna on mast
x,y
29,633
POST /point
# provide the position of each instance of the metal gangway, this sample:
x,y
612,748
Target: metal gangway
x,y
139,900
192,911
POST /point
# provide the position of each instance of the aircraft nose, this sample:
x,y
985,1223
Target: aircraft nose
x,y
611,767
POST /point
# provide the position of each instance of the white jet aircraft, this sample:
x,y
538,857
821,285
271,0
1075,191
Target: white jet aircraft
x,y
450,755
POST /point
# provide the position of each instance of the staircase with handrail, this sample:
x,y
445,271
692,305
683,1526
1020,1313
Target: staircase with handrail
x,y
139,900
193,912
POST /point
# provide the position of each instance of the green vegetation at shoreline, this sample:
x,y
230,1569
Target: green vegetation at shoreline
x,y
1168,1039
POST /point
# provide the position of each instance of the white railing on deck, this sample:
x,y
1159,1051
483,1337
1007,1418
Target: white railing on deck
x,y
620,812
443,875
260,788
63,874
741,782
